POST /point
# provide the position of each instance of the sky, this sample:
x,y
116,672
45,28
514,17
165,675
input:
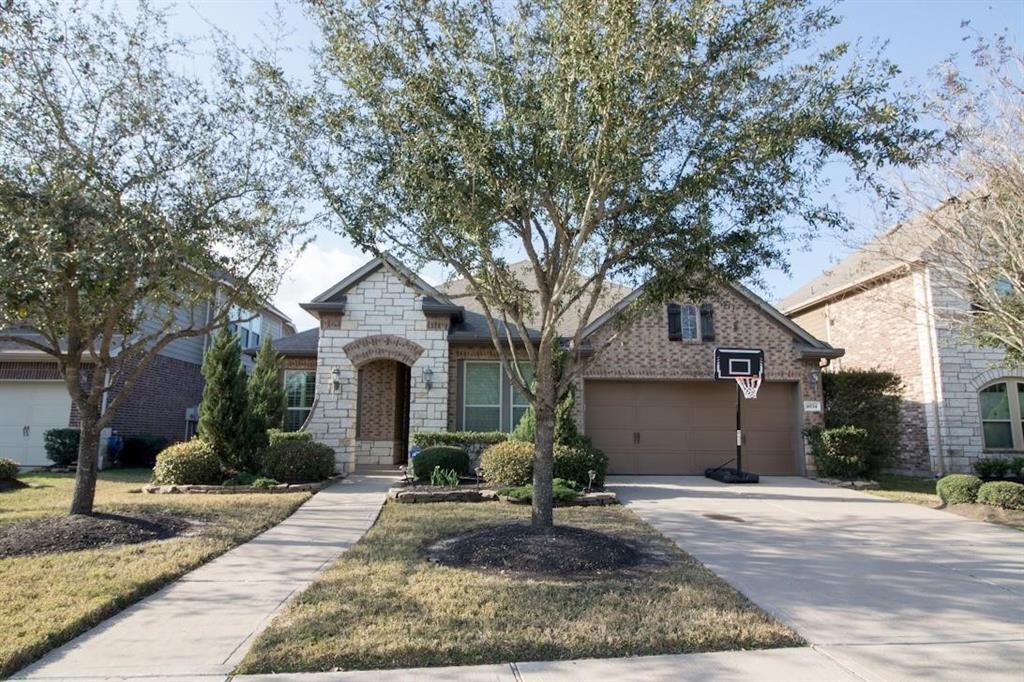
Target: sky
x,y
920,34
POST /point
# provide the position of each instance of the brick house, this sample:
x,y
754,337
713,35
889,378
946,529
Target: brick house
x,y
888,306
164,400
394,355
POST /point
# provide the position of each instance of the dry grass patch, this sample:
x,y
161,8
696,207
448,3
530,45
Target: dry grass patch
x,y
910,489
50,598
384,605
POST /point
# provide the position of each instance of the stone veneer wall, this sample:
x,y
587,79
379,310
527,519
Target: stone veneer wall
x,y
382,305
644,351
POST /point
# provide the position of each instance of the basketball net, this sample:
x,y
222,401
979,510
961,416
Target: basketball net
x,y
749,385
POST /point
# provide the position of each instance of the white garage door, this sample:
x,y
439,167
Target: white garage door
x,y
27,410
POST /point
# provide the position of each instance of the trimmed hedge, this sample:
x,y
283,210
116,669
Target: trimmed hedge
x,y
278,436
190,463
870,400
574,462
446,457
1005,494
508,463
297,461
61,446
839,452
8,469
992,467
428,439
958,488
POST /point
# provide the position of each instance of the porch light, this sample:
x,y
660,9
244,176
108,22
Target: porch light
x,y
814,376
336,378
428,378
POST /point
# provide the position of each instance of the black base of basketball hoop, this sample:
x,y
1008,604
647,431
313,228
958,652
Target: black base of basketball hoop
x,y
730,475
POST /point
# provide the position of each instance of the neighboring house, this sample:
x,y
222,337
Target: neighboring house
x,y
164,400
394,355
888,307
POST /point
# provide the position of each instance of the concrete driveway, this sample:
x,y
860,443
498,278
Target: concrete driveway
x,y
889,591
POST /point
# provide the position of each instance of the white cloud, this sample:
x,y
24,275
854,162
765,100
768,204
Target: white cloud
x,y
315,270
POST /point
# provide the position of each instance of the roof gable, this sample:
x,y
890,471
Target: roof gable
x,y
336,294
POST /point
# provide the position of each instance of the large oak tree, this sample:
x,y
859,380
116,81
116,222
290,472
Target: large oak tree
x,y
676,142
140,203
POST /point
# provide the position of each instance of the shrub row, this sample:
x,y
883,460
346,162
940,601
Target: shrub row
x,y
511,463
997,467
966,489
462,439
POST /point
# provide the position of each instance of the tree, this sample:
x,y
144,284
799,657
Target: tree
x,y
266,392
139,205
675,142
225,417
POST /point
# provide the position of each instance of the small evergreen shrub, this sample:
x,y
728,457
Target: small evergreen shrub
x,y
562,492
241,478
61,446
992,467
958,488
443,456
870,400
277,435
297,461
444,478
141,450
1017,467
840,452
509,463
8,469
190,463
264,482
1005,494
574,463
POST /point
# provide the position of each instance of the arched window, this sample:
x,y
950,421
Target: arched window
x,y
1002,414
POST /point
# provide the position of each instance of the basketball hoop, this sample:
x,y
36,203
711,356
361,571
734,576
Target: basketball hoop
x,y
749,385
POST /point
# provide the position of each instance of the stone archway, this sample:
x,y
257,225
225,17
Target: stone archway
x,y
383,347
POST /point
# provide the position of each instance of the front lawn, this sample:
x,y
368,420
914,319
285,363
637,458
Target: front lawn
x,y
384,605
49,598
910,489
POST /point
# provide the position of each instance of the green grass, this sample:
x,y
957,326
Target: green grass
x,y
910,489
383,605
48,599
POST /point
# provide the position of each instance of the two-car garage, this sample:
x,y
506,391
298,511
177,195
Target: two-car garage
x,y
685,427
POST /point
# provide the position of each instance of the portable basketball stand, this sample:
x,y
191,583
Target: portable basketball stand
x,y
745,366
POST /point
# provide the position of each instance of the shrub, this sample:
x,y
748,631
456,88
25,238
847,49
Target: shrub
x,y
958,488
298,461
237,434
241,478
428,439
444,478
1017,467
575,462
566,432
141,450
1005,494
264,482
8,469
508,463
443,456
190,463
992,467
277,435
870,400
61,446
562,492
839,452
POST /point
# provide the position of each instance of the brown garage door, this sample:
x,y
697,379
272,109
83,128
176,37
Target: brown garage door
x,y
652,427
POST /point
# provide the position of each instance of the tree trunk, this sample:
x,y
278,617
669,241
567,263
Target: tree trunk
x,y
543,462
88,456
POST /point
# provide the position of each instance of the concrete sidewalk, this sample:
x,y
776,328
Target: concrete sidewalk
x,y
200,626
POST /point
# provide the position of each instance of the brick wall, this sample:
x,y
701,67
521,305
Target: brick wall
x,y
378,392
159,399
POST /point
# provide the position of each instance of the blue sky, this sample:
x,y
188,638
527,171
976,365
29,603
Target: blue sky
x,y
920,34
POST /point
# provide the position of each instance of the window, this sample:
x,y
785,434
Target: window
x,y
299,389
1002,415
490,402
687,322
688,325
518,401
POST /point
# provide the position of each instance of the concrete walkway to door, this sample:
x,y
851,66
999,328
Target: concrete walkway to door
x,y
889,591
203,624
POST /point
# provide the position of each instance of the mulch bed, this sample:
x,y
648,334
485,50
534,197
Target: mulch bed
x,y
519,548
86,531
984,512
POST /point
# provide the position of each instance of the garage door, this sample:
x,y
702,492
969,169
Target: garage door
x,y
649,427
27,410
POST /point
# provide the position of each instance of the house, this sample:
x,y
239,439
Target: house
x,y
164,400
394,355
888,305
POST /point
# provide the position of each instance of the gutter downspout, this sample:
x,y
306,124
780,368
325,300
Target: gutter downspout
x,y
934,370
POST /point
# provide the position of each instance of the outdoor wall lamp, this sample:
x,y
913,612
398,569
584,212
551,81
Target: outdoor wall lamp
x,y
336,378
814,376
428,378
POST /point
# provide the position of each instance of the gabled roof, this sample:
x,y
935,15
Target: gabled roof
x,y
303,344
336,293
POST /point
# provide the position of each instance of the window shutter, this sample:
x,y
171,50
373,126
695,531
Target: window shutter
x,y
707,323
675,330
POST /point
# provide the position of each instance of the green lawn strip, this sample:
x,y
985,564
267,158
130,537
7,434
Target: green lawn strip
x,y
50,598
382,605
912,489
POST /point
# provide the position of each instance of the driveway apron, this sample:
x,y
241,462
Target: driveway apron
x,y
204,623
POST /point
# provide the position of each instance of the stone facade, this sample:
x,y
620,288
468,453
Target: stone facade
x,y
381,305
898,324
